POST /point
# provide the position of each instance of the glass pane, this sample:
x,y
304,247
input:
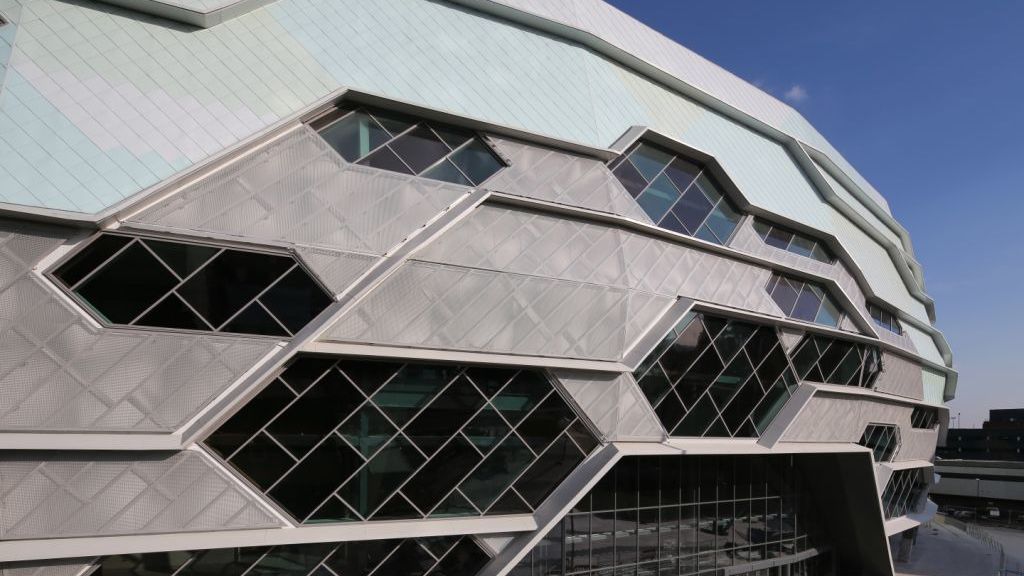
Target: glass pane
x,y
524,392
441,474
829,314
445,415
355,135
127,285
263,461
368,375
497,471
412,388
703,372
420,148
465,558
90,257
698,419
333,510
307,485
510,503
184,259
723,221
367,430
172,312
295,300
304,371
252,416
649,160
682,173
785,295
315,414
692,209
255,320
360,557
549,470
394,123
476,161
728,383
489,380
409,560
454,505
223,561
385,159
630,178
655,385
447,172
452,136
670,411
658,198
548,420
397,508
807,305
486,429
778,238
230,281
369,488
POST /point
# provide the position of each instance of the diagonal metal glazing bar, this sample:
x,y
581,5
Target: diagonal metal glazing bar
x,y
243,391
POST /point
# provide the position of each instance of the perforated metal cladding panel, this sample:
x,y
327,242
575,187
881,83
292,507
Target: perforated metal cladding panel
x,y
58,371
435,305
561,177
900,377
614,404
47,494
298,190
69,567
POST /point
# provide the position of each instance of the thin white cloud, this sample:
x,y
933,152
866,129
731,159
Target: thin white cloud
x,y
795,94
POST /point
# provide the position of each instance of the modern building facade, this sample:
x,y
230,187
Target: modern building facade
x,y
463,288
1001,437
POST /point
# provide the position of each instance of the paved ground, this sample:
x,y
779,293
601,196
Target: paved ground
x,y
946,551
1013,544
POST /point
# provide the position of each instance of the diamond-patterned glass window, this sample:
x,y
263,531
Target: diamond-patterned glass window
x,y
714,376
925,418
677,193
790,241
400,143
803,300
831,361
882,439
885,319
448,555
689,515
903,492
341,440
170,284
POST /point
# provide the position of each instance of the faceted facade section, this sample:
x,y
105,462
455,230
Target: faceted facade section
x,y
882,439
672,515
831,361
677,193
713,376
790,241
903,492
400,143
147,282
335,440
804,300
448,555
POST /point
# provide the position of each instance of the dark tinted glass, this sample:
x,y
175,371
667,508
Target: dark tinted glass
x,y
448,172
433,482
496,472
385,159
544,475
172,312
355,136
183,258
445,415
253,416
630,178
420,148
230,281
295,300
133,281
263,461
314,479
254,319
381,476
476,161
90,258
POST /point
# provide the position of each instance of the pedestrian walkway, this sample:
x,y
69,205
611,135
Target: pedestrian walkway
x,y
947,551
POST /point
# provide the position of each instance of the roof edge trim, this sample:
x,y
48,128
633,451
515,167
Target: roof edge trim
x,y
226,10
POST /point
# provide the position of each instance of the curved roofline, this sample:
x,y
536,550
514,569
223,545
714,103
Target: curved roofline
x,y
593,39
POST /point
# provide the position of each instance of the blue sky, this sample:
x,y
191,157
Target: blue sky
x,y
926,99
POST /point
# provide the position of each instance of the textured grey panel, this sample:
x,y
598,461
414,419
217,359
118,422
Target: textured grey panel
x,y
527,242
63,567
790,338
836,418
746,239
47,494
917,444
60,372
337,270
900,377
613,403
298,190
562,177
435,305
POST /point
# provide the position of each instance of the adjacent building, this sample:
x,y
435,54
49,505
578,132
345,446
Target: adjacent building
x,y
428,287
